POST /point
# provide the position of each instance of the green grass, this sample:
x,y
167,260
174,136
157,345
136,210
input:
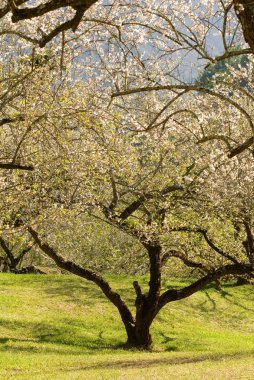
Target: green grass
x,y
61,327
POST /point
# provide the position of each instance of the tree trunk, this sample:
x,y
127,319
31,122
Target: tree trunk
x,y
146,305
245,12
139,336
142,340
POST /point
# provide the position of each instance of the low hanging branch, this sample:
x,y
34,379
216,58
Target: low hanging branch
x,y
88,275
178,294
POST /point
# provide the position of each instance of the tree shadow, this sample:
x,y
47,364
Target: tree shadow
x,y
203,305
223,293
226,295
73,291
150,362
63,336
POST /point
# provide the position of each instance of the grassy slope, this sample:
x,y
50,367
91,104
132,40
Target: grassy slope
x,y
60,327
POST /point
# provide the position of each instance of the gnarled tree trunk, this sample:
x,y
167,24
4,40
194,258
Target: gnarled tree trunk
x,y
147,304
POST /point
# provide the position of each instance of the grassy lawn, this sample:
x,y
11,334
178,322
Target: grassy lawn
x,y
61,327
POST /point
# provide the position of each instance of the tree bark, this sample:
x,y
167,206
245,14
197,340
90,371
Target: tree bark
x,y
244,10
147,304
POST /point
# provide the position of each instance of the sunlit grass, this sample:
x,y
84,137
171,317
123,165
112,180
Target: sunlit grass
x,y
61,327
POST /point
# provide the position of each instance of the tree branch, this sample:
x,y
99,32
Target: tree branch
x,y
88,275
215,137
9,120
139,202
11,166
134,206
70,24
23,253
114,201
19,34
139,295
208,240
37,11
7,250
178,294
249,246
241,148
183,258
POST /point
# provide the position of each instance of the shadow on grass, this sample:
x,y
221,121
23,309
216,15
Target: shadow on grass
x,y
21,345
61,339
150,362
203,305
66,339
44,338
73,292
72,336
74,289
229,296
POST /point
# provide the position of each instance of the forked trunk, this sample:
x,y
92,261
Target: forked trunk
x,y
146,304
